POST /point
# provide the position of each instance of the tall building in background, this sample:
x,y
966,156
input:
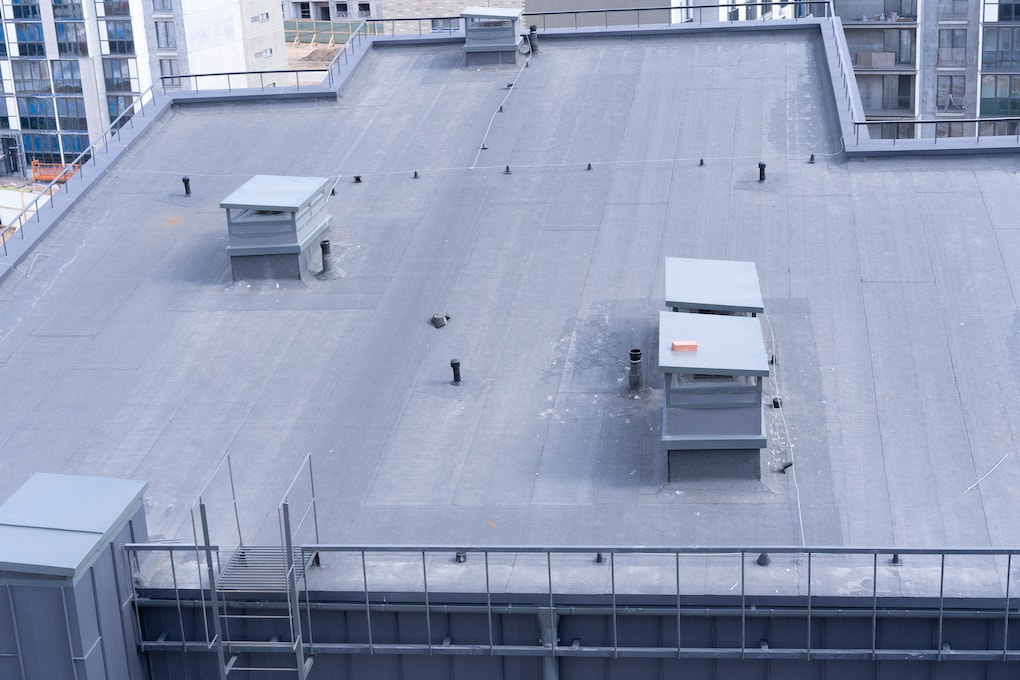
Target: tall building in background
x,y
68,68
333,10
945,60
1000,64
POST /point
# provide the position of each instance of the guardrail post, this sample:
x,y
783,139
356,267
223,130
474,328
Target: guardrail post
x,y
221,660
1005,612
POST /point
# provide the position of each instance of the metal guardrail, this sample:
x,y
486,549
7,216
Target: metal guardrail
x,y
311,32
694,13
933,124
77,167
551,585
641,17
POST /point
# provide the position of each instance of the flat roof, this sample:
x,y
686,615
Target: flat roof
x,y
888,286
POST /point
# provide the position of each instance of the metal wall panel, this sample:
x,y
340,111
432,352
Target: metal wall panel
x,y
75,629
113,649
720,640
42,629
10,664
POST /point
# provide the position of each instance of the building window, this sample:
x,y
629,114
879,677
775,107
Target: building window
x,y
896,131
1000,95
118,76
3,42
1000,128
162,5
364,9
949,130
950,92
36,113
260,18
73,147
341,10
42,147
30,40
30,76
116,9
25,9
166,37
952,47
1001,49
120,37
66,76
118,105
71,39
169,69
67,9
71,113
445,25
1002,10
953,9
901,43
304,10
896,92
263,54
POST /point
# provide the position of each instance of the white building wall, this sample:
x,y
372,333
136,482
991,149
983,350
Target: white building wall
x,y
215,40
262,27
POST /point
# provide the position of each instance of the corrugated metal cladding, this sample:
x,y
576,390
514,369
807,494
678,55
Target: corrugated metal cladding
x,y
65,584
719,639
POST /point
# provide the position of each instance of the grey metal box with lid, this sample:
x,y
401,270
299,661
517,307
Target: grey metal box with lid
x,y
712,396
271,221
65,586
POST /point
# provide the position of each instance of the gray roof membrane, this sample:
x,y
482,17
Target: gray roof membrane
x,y
127,351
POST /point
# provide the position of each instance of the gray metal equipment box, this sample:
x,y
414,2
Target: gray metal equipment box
x,y
491,35
271,221
65,584
716,286
712,395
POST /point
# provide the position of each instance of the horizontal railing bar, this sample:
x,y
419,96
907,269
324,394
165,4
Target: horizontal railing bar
x,y
751,551
167,547
616,550
865,611
599,651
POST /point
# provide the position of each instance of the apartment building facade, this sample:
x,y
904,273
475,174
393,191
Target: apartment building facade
x,y
68,68
949,61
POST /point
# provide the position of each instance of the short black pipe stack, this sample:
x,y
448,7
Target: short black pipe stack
x,y
636,380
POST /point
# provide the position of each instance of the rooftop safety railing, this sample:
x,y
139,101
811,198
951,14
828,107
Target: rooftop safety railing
x,y
327,33
641,17
688,13
78,169
932,130
865,584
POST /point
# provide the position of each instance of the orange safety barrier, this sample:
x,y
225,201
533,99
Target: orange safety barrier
x,y
47,172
